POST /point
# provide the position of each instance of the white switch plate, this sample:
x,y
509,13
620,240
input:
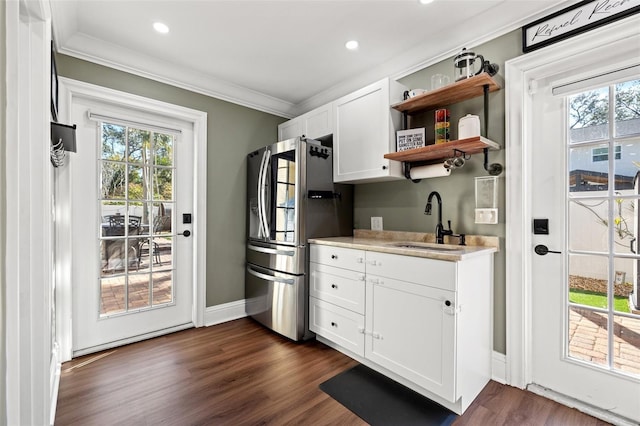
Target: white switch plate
x,y
376,223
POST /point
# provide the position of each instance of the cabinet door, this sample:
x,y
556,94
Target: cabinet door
x,y
319,122
410,330
290,129
364,132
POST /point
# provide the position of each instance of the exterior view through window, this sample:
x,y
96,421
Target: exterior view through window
x,y
603,226
136,205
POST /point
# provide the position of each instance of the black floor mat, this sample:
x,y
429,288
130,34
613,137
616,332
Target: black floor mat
x,y
378,400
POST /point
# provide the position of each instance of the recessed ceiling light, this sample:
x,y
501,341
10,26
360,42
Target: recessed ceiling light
x,y
160,27
351,45
425,1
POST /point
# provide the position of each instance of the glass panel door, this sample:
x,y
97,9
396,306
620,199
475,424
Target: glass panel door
x,y
136,207
603,325
283,215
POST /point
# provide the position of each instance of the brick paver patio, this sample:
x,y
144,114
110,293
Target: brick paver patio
x,y
588,339
113,288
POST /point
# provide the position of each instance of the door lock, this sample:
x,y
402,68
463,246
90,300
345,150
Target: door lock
x,y
186,233
541,249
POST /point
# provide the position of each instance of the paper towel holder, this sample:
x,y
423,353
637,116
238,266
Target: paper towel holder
x,y
407,172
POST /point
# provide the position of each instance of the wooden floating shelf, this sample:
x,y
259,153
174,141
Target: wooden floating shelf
x,y
441,151
450,94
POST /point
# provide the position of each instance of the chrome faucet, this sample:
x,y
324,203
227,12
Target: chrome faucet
x,y
440,231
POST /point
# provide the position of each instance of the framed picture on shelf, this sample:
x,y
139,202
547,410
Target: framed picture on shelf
x,y
409,139
54,86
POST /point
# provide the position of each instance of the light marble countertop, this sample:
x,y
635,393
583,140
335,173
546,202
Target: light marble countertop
x,y
414,244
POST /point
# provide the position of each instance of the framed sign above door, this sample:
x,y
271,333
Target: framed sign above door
x,y
573,20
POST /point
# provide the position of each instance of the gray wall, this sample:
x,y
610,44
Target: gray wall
x,y
401,203
233,131
3,208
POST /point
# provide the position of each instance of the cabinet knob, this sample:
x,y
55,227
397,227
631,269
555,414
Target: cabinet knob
x,y
334,324
361,277
359,260
334,286
333,256
447,303
384,167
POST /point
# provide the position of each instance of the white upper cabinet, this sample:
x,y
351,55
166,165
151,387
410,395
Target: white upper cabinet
x,y
314,124
290,129
319,122
365,130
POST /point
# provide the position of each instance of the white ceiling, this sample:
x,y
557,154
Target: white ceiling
x,y
280,56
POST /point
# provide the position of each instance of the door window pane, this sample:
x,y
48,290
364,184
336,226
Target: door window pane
x,y
588,336
113,180
589,115
627,108
628,165
139,145
587,170
163,149
626,347
113,142
588,225
162,183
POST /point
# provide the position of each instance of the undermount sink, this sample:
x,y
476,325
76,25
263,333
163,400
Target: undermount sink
x,y
428,247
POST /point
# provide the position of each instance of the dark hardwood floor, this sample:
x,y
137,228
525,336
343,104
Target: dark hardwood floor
x,y
239,373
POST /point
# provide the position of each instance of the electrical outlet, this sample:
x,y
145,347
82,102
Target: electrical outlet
x,y
487,216
376,223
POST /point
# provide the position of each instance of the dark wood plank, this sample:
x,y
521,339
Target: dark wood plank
x,y
240,373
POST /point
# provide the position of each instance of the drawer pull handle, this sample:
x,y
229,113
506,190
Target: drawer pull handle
x,y
361,277
359,260
333,256
334,324
334,286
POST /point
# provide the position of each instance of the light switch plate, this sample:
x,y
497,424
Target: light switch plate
x,y
487,216
376,223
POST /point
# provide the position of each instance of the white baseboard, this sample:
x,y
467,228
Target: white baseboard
x,y
226,312
499,367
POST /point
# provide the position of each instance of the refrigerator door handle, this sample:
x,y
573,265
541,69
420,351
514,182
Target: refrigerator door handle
x,y
270,277
261,232
267,159
271,251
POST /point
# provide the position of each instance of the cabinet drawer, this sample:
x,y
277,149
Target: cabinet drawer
x,y
338,257
341,287
431,272
337,324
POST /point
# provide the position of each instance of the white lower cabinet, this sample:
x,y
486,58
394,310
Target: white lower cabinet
x,y
424,322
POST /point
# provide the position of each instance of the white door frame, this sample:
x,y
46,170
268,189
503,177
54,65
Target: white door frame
x,y
30,389
70,89
618,38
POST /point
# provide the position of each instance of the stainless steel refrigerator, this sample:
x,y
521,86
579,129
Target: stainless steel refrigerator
x,y
291,197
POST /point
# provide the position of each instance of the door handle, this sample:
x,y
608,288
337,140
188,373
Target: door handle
x,y
541,249
186,233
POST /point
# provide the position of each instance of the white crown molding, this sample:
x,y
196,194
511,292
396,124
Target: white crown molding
x,y
422,56
117,57
414,59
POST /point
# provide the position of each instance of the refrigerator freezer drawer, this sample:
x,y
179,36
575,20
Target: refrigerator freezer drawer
x,y
277,301
283,258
